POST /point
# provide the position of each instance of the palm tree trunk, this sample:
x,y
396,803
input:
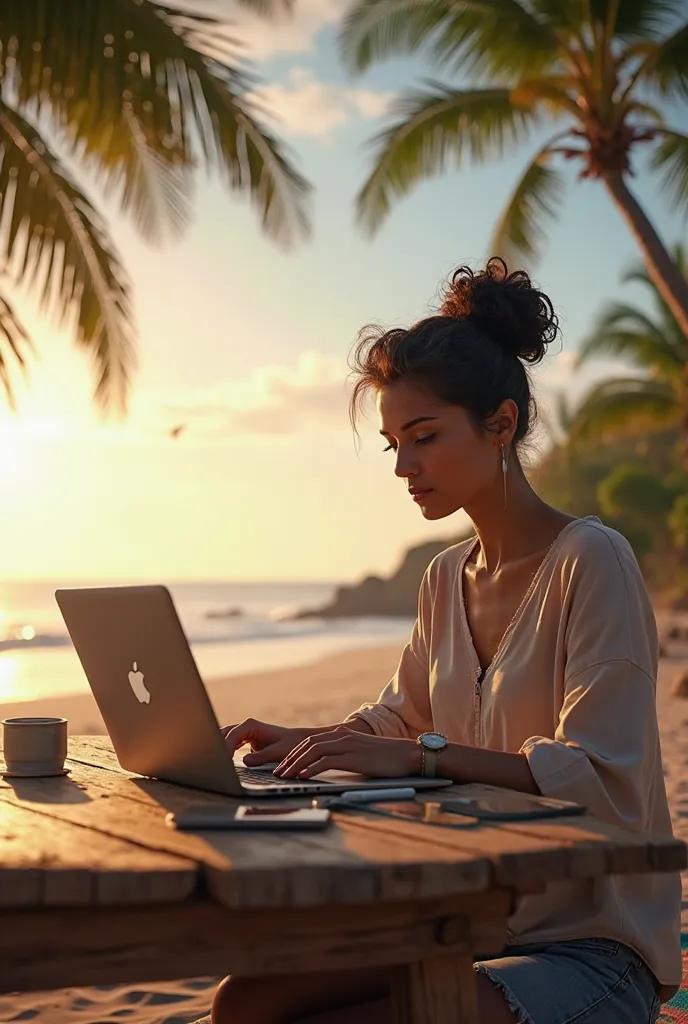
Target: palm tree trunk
x,y
666,276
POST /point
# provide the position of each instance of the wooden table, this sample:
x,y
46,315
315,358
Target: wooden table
x,y
96,889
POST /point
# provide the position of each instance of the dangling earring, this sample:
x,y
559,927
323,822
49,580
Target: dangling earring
x,y
505,468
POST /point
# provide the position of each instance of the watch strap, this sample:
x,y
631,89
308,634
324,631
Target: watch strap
x,y
429,767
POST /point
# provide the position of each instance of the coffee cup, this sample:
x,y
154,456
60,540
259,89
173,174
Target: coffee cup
x,y
35,746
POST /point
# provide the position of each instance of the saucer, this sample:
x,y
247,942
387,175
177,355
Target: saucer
x,y
34,775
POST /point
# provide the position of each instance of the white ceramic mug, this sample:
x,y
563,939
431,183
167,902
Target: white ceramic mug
x,y
35,746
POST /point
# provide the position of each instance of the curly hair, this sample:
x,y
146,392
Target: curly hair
x,y
473,353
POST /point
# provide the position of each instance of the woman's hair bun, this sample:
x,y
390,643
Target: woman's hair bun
x,y
504,306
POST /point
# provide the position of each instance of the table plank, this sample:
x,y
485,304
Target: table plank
x,y
57,863
363,858
259,869
522,853
72,947
96,751
600,847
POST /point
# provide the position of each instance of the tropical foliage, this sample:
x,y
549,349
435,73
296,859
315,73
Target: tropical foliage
x,y
140,95
621,453
654,347
597,72
636,484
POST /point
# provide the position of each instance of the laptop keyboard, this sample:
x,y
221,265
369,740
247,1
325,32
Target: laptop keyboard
x,y
264,776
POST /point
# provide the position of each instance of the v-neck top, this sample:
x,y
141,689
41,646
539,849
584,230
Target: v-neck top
x,y
572,686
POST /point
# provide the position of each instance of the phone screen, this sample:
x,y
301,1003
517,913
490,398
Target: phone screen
x,y
265,812
249,816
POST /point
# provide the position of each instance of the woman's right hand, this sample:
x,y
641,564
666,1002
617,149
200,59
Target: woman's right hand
x,y
268,742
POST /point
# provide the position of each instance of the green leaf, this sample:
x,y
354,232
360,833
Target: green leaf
x,y
625,405
639,274
623,330
522,227
56,244
496,37
14,348
678,521
636,19
145,93
556,94
670,157
637,492
666,64
435,129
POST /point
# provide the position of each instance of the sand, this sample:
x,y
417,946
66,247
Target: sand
x,y
314,694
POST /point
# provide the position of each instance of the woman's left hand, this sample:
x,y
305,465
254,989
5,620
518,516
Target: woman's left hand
x,y
347,750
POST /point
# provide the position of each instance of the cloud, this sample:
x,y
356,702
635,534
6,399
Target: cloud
x,y
285,33
311,395
274,400
305,106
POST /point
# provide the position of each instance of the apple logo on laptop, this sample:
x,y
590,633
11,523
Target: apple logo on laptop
x,y
136,682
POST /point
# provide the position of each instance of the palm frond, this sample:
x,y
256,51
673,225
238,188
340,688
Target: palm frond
x,y
637,272
15,346
521,229
670,157
496,37
635,19
56,244
645,110
555,93
626,331
626,405
666,322
436,128
146,92
152,189
666,64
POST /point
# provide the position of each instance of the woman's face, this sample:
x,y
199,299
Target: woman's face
x,y
447,462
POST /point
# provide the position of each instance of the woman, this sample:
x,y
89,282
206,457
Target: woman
x,y
534,653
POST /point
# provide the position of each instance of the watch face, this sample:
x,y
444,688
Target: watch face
x,y
433,741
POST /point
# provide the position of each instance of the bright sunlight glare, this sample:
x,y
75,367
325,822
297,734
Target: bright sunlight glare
x,y
17,443
8,677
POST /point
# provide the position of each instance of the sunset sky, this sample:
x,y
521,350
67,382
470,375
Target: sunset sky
x,y
248,346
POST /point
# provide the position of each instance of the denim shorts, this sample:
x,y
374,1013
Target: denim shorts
x,y
583,981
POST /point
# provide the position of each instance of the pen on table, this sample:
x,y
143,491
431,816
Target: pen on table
x,y
366,796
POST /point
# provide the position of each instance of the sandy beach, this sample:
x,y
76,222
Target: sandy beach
x,y
313,694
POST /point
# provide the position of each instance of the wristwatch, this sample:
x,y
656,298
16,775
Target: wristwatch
x,y
431,746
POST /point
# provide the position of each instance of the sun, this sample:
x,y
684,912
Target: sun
x,y
18,437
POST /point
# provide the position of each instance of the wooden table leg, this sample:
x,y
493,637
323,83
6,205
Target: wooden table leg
x,y
437,991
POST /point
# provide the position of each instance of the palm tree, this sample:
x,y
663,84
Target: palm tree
x,y
598,67
139,94
656,348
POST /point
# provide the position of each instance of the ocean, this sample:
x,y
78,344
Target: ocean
x,y
37,658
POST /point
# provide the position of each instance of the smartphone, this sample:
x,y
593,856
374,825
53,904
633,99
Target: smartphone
x,y
249,816
529,808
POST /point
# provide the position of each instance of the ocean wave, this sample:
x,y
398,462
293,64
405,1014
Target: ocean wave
x,y
238,631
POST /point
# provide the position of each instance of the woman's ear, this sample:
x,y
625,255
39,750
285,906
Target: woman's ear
x,y
504,422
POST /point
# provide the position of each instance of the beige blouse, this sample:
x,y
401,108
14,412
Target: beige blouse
x,y
572,686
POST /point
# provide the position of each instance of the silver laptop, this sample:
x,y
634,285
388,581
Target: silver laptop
x,y
140,668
